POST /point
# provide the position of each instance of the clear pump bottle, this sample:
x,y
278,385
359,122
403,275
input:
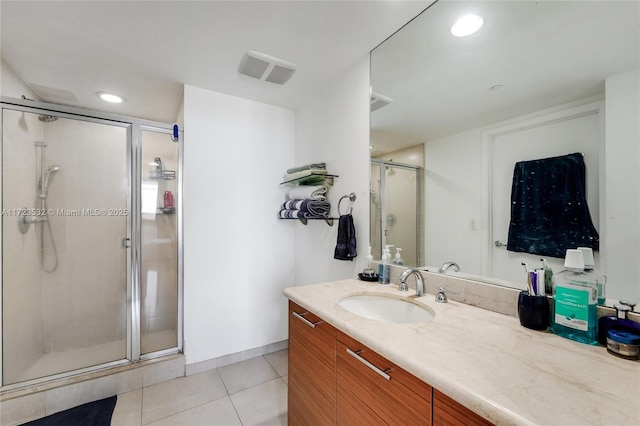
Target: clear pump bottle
x,y
398,260
590,268
369,259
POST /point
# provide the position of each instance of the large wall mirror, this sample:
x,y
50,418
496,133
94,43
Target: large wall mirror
x,y
539,79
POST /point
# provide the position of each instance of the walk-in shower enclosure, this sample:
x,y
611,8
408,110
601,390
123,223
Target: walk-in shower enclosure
x,y
395,210
91,241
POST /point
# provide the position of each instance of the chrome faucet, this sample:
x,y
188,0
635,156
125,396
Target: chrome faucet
x,y
446,265
419,281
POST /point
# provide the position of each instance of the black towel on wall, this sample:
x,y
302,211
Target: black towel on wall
x,y
549,211
346,245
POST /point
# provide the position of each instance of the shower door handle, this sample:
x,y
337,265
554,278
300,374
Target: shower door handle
x,y
126,242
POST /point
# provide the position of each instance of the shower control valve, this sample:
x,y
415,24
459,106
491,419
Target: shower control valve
x,y
27,219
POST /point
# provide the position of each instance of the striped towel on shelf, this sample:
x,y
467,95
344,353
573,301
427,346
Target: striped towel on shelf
x,y
292,214
316,208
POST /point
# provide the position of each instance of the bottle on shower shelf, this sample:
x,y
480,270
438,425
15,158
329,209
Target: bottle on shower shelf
x,y
168,202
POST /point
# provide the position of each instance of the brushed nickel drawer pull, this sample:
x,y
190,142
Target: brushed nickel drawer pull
x,y
306,321
368,364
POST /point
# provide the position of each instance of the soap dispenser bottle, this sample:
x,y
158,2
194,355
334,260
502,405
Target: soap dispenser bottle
x,y
398,259
575,301
384,276
589,268
369,259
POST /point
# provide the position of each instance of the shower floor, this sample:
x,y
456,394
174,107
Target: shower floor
x,y
76,358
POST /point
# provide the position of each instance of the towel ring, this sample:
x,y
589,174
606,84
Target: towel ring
x,y
351,197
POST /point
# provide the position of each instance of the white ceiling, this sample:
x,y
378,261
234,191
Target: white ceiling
x,y
147,50
545,53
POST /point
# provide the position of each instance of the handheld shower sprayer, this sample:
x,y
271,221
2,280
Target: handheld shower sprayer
x,y
47,176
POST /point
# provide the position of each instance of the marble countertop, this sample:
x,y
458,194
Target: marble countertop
x,y
488,362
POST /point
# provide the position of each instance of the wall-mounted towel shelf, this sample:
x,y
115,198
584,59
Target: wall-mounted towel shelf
x,y
312,179
328,220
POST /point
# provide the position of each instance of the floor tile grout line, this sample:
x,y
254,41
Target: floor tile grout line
x,y
189,409
228,394
195,406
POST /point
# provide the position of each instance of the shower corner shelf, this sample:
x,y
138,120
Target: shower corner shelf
x,y
165,210
312,179
164,175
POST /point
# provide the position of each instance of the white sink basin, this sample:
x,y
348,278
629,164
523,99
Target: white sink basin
x,y
383,308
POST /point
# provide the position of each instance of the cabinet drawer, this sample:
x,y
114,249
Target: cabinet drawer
x,y
367,380
446,411
312,369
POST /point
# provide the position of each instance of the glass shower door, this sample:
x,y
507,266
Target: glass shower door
x,y
65,213
159,284
395,210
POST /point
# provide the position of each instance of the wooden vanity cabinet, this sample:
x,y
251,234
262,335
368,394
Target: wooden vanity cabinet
x,y
336,380
446,411
373,390
312,369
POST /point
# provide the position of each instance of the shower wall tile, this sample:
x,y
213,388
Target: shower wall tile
x,y
20,410
87,292
21,274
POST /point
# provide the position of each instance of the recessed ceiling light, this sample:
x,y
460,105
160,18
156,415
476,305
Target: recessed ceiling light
x,y
467,25
110,97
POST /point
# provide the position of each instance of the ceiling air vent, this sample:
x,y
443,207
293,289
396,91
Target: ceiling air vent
x,y
267,68
378,101
52,94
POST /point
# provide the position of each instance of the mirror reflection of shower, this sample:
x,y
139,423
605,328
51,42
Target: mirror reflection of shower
x,y
40,215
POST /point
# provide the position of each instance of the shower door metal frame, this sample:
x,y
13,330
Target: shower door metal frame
x,y
382,164
134,128
137,217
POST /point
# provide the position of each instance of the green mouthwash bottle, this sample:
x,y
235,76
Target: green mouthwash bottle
x,y
575,300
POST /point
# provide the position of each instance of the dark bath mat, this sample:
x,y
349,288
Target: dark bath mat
x,y
96,413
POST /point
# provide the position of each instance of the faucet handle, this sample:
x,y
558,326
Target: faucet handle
x,y
403,286
441,295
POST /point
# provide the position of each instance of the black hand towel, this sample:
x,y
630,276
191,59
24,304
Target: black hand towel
x,y
346,245
549,211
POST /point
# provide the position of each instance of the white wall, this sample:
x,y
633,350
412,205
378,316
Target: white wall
x,y
334,127
622,220
238,257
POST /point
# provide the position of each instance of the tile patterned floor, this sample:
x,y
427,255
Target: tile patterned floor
x,y
251,392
